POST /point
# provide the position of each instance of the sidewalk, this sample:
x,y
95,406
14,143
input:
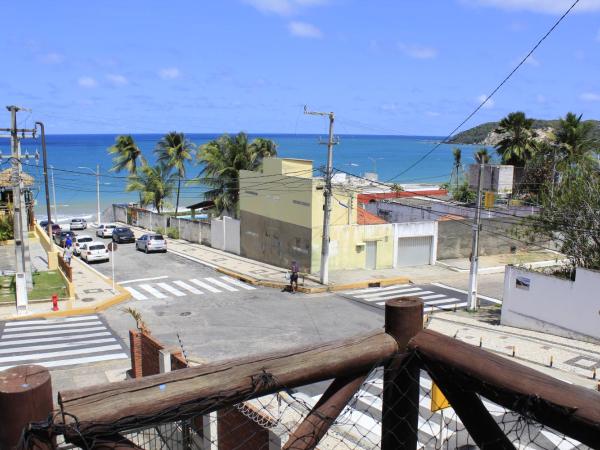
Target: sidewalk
x,y
259,273
93,292
496,263
566,359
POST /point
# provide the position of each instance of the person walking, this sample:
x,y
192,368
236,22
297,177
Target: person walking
x,y
294,277
68,241
68,254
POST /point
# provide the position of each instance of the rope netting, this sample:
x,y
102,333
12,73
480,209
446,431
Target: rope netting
x,y
268,422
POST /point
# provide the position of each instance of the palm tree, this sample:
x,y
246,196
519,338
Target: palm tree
x,y
573,139
154,183
223,158
175,150
127,154
482,156
517,144
457,153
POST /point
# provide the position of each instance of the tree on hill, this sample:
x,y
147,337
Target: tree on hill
x,y
222,160
517,144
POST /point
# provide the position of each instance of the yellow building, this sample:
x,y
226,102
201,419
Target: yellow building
x,y
281,215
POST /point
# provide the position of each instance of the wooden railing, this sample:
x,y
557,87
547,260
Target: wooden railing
x,y
65,268
463,372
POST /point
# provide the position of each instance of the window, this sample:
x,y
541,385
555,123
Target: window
x,y
97,247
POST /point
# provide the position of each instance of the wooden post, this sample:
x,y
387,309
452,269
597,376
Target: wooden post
x,y
307,435
403,320
25,396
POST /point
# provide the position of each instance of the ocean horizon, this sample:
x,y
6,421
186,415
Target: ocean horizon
x,y
75,156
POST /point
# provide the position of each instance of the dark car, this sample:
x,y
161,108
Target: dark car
x,y
44,223
56,229
123,234
61,238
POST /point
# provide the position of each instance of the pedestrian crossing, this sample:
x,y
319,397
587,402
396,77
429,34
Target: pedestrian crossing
x,y
181,288
440,429
434,297
58,342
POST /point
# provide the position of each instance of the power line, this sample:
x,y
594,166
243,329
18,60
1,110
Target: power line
x,y
496,89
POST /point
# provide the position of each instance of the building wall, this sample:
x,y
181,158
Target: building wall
x,y
551,304
346,246
414,229
225,234
274,241
455,237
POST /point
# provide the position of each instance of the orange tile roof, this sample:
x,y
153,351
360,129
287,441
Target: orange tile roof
x,y
366,218
365,198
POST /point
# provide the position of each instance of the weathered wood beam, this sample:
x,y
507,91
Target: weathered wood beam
x,y
307,435
185,393
569,409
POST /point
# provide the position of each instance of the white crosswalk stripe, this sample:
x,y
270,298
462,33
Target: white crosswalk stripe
x,y
187,287
171,289
434,297
182,288
220,284
58,342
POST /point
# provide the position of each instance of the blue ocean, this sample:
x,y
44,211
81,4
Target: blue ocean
x,y
73,158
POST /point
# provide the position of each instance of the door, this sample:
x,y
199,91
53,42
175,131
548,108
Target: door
x,y
414,251
371,254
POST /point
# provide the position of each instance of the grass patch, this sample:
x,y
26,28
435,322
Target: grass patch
x,y
44,285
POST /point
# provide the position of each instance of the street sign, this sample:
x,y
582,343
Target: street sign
x,y
489,199
112,246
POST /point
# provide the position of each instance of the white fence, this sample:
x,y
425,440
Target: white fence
x,y
546,303
225,234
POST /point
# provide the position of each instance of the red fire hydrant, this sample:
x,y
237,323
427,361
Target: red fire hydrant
x,y
54,302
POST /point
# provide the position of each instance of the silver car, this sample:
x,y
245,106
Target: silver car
x,y
78,224
151,243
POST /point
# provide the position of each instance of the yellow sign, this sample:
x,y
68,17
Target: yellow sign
x,y
438,401
489,199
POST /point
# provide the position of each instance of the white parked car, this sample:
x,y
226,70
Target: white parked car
x,y
79,241
94,251
105,229
78,224
151,243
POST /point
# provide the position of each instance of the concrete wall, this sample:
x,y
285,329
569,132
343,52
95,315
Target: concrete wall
x,y
191,230
225,234
416,229
455,236
274,241
48,246
119,214
411,209
553,305
347,246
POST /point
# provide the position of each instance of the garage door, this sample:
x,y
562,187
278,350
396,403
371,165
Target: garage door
x,y
414,251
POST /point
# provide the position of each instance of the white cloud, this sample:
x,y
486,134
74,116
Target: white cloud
x,y
304,30
117,80
169,73
282,7
432,113
87,82
532,61
538,6
52,58
590,97
418,51
489,104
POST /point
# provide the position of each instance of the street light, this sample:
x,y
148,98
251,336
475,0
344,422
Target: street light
x,y
97,173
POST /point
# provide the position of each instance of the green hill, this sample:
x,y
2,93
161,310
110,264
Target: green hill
x,y
477,135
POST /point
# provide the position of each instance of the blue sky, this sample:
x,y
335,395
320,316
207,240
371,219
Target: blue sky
x,y
392,67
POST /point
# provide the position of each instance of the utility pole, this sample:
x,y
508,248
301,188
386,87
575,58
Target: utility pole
x,y
20,223
327,194
97,173
473,303
45,162
53,194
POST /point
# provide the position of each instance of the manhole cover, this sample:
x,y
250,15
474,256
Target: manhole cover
x,y
87,299
185,314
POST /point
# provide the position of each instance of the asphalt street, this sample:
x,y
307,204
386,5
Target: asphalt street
x,y
224,318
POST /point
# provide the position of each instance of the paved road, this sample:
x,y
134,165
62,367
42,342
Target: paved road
x,y
436,297
58,343
218,317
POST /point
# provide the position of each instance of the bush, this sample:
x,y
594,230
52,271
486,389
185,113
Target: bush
x,y
160,230
173,233
6,227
